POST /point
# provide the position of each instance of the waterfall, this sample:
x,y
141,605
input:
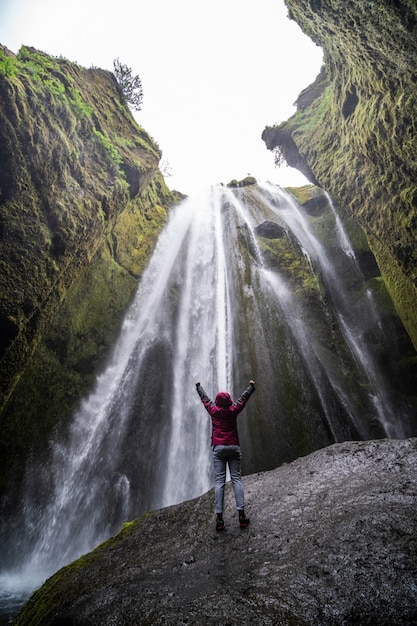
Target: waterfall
x,y
208,309
348,313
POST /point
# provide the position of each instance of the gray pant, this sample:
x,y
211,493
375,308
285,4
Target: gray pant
x,y
223,456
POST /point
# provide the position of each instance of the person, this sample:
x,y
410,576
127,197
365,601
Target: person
x,y
226,448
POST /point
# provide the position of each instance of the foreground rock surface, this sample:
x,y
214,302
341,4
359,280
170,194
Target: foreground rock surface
x,y
332,540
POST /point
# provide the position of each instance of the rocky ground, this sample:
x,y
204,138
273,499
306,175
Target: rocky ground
x,y
332,540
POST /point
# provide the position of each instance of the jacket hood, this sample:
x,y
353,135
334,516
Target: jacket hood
x,y
223,400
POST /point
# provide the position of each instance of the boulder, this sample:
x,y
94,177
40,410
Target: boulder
x,y
332,540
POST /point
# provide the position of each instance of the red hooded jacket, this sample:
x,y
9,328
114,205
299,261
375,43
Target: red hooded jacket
x,y
224,414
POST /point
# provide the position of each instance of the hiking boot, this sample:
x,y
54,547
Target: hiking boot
x,y
243,521
219,524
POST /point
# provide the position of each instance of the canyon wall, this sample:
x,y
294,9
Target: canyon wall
x,y
354,132
82,202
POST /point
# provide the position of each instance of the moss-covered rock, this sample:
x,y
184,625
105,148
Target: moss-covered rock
x,y
245,182
354,130
82,203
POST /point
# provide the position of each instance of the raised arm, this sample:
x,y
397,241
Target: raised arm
x,y
204,397
247,393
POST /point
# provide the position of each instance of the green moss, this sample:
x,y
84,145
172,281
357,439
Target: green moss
x,y
80,107
109,147
41,607
305,193
400,288
286,255
249,180
8,66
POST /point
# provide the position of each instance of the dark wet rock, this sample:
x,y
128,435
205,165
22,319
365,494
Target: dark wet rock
x,y
332,540
270,230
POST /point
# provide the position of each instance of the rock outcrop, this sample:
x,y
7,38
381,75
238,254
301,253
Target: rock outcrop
x,y
332,540
355,126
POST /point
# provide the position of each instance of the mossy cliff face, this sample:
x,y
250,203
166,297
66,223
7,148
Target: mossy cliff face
x,y
81,204
354,132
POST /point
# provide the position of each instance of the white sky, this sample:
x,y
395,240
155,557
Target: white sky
x,y
214,74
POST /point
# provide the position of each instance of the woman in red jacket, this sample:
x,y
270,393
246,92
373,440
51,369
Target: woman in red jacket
x,y
226,449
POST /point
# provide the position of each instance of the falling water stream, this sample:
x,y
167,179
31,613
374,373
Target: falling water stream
x,y
207,309
347,312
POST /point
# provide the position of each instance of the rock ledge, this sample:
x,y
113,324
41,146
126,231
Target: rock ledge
x,y
332,540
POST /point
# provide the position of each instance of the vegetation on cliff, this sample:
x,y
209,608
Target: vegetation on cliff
x,y
82,203
355,127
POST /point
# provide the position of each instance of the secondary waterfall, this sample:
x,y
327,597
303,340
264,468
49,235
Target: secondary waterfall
x,y
210,308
